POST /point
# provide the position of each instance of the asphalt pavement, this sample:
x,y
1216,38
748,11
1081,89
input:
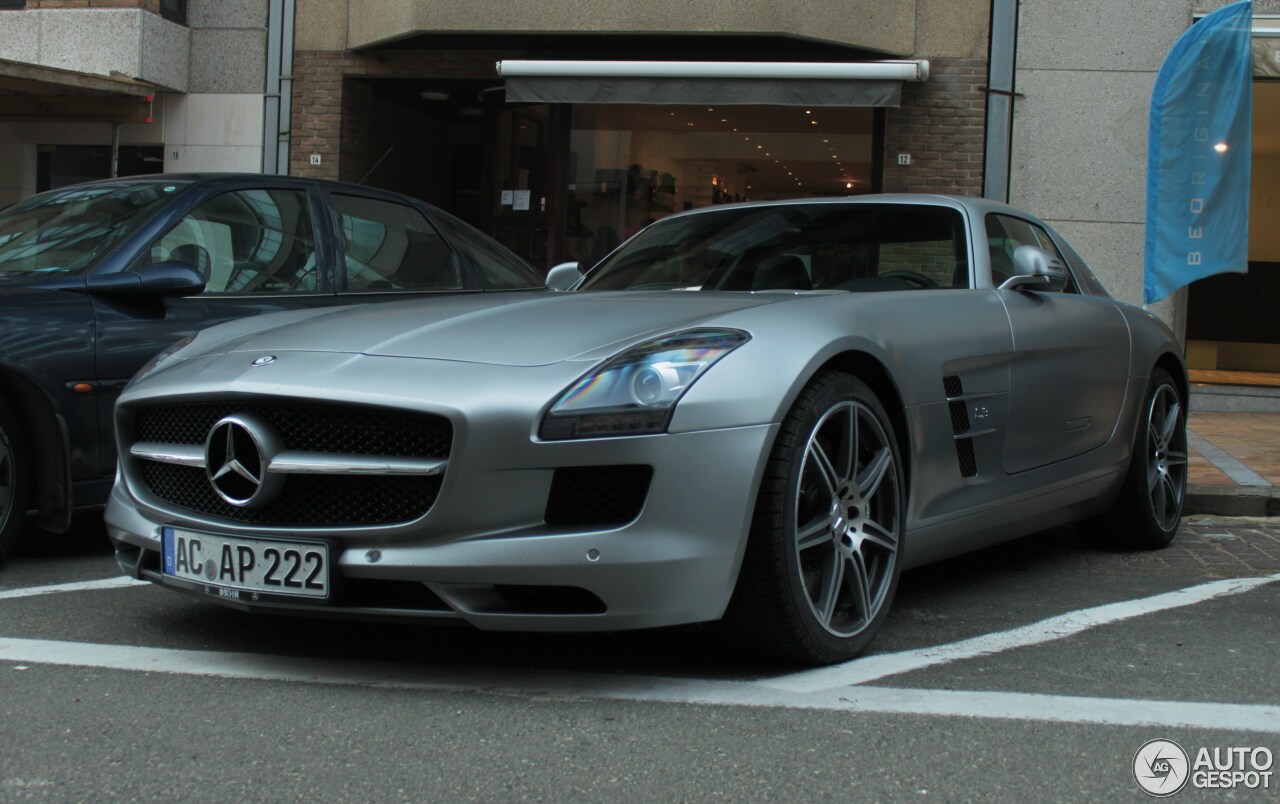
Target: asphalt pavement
x,y
1031,671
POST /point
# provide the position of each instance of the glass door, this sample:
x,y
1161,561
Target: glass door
x,y
518,211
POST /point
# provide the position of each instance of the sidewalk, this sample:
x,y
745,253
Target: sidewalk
x,y
1234,466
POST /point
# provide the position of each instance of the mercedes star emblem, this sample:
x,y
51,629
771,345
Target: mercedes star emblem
x,y
237,454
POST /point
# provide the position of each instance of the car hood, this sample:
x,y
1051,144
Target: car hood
x,y
502,329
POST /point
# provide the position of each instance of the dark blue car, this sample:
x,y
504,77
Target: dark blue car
x,y
97,278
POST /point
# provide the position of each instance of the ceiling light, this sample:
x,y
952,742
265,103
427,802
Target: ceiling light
x,y
433,95
471,111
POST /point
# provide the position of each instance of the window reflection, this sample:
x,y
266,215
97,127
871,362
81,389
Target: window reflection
x,y
630,165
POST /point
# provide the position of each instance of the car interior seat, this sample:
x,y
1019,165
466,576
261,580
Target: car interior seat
x,y
784,272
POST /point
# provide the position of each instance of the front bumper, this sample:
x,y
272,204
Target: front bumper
x,y
499,566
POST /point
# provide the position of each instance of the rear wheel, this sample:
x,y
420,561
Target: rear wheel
x,y
14,481
823,559
1147,513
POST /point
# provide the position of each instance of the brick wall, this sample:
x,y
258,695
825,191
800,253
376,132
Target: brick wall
x,y
942,124
318,103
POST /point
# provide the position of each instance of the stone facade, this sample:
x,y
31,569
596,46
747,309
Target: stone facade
x,y
146,5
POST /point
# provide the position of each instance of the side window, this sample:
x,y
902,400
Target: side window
x,y
499,268
245,241
390,246
1004,234
1048,245
1088,282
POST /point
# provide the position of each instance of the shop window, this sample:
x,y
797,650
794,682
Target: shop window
x,y
630,165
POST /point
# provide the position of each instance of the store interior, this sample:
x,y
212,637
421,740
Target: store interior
x,y
1233,333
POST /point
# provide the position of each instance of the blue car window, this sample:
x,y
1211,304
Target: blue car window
x,y
393,247
245,242
68,231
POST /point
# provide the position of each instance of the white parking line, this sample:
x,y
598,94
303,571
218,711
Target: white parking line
x,y
80,586
871,668
943,703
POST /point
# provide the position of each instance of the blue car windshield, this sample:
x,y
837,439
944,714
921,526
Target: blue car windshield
x,y
67,231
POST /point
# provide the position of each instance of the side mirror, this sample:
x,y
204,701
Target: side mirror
x,y
159,279
1036,269
564,276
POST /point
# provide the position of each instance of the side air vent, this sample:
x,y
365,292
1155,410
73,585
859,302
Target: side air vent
x,y
960,425
964,451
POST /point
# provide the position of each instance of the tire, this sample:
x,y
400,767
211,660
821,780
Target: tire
x,y
822,560
1148,511
14,481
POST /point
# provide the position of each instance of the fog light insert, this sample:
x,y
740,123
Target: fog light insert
x,y
597,496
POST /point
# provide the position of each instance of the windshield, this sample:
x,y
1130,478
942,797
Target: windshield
x,y
793,247
67,231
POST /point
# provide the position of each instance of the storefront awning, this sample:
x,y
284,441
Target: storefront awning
x,y
723,83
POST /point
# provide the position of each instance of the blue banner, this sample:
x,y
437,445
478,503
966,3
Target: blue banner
x,y
1198,148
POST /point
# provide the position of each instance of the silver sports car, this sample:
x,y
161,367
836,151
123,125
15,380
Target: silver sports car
x,y
755,413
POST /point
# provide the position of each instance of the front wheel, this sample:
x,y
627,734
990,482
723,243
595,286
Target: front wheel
x,y
13,481
823,558
1149,509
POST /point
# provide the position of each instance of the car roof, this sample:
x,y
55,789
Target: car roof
x,y
972,205
233,180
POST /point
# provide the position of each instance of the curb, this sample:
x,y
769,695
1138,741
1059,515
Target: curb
x,y
1232,500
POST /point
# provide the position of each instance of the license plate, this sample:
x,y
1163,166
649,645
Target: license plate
x,y
257,566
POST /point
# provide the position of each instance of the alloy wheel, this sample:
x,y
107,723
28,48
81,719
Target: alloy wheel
x,y
1167,451
848,510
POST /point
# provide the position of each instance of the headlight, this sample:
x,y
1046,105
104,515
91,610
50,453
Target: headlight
x,y
154,363
636,392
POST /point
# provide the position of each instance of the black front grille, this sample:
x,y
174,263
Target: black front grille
x,y
594,496
305,500
335,500
346,429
